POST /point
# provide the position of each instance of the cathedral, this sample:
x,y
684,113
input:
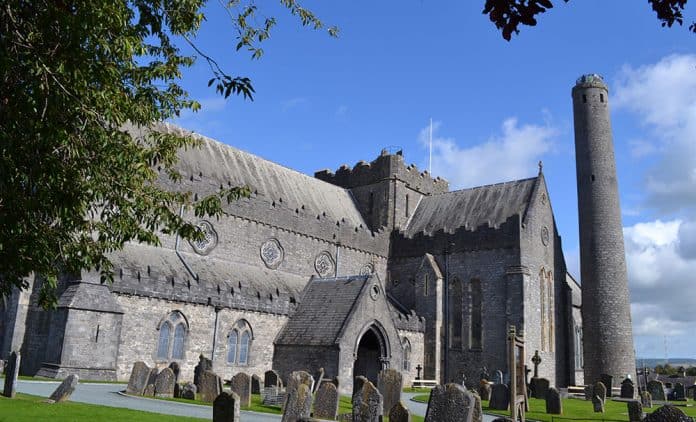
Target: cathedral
x,y
353,270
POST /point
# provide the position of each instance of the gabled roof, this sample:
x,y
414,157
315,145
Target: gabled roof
x,y
489,205
428,261
324,309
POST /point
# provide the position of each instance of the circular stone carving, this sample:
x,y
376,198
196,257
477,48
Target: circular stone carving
x,y
374,291
324,264
209,241
367,269
545,235
272,253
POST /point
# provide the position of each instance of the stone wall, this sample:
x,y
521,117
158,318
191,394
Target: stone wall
x,y
416,340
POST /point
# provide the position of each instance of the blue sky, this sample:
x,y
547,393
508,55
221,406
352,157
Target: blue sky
x,y
498,108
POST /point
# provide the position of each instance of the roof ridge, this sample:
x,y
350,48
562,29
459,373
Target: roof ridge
x,y
509,182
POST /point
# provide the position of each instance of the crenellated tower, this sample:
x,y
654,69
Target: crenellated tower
x,y
606,307
387,191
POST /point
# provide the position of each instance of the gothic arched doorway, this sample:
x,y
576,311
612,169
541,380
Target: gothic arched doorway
x,y
371,354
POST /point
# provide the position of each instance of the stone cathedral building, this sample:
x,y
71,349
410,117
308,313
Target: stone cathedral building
x,y
379,265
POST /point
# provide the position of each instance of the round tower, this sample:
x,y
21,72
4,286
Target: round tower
x,y
606,307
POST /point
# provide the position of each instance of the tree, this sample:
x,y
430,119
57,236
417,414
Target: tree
x,y
508,15
74,185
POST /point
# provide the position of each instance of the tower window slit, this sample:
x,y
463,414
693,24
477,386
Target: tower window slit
x,y
584,98
601,98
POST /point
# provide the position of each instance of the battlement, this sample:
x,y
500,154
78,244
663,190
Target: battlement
x,y
386,166
590,80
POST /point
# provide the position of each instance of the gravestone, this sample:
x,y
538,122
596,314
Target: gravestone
x,y
326,401
667,414
598,404
241,386
484,390
299,377
477,415
657,390
149,391
188,391
11,375
498,377
679,393
358,383
150,387
399,413
635,411
589,392
318,376
65,389
500,397
608,382
298,402
226,408
138,378
390,382
600,391
646,399
368,404
210,386
272,379
628,389
554,405
204,364
539,387
176,369
255,384
450,402
164,383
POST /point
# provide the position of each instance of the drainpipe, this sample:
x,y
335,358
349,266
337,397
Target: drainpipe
x,y
446,318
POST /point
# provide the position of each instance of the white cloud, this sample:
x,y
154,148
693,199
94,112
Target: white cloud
x,y
292,103
663,95
513,154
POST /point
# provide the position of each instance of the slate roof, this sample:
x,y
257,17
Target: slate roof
x,y
223,163
471,208
324,308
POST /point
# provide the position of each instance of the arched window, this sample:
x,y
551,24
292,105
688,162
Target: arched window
x,y
546,304
476,317
407,354
239,343
542,302
578,348
425,285
232,347
550,310
171,345
455,305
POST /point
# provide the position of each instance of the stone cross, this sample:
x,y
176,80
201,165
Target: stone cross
x,y
536,360
419,368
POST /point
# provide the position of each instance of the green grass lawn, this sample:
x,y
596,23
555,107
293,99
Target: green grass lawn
x,y
26,408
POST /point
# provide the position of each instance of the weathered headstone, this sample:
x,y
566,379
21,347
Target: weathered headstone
x,y
204,364
368,405
657,390
318,376
298,403
635,411
646,399
399,413
226,408
272,379
600,391
65,389
500,397
176,369
188,391
256,384
326,401
241,385
11,375
484,390
628,389
149,390
679,393
299,377
150,387
598,404
164,383
210,386
390,382
138,378
358,383
498,377
450,402
589,392
477,415
539,387
554,405
608,382
667,414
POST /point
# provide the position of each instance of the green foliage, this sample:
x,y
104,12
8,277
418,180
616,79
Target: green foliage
x,y
508,15
74,184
